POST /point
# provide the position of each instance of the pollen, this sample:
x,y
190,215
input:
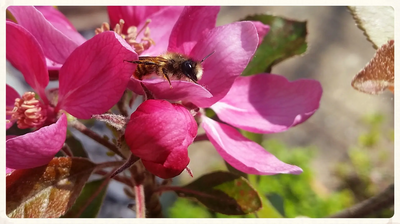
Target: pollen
x,y
28,112
131,37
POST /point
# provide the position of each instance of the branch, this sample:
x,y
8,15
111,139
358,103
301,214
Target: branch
x,y
378,202
82,128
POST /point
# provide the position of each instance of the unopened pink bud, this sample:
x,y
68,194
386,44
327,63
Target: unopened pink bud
x,y
159,133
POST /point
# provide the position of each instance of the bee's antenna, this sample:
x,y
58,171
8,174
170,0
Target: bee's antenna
x,y
207,56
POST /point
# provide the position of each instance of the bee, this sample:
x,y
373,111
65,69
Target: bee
x,y
172,66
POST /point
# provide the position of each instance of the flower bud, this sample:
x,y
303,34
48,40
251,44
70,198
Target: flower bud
x,y
159,133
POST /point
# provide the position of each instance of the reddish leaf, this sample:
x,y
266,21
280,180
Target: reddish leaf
x,y
378,74
223,192
47,191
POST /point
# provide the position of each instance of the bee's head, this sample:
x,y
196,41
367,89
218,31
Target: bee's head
x,y
192,70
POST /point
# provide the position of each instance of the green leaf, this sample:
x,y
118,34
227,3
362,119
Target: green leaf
x,y
267,210
93,208
184,208
276,201
76,146
223,192
47,191
286,38
377,22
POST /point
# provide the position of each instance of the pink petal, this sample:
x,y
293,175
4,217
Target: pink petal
x,y
242,153
262,30
161,26
234,46
9,170
56,45
132,15
25,54
36,148
61,23
193,21
267,103
181,90
95,76
11,95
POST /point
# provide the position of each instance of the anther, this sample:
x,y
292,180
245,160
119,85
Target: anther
x,y
27,111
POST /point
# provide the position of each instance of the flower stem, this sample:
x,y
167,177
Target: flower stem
x,y
66,150
201,137
128,163
151,199
82,128
140,201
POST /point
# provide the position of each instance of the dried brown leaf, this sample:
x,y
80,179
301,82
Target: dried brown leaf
x,y
47,191
378,74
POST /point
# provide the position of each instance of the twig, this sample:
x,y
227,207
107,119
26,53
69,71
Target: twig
x,y
128,163
378,202
117,178
122,104
82,128
66,150
100,166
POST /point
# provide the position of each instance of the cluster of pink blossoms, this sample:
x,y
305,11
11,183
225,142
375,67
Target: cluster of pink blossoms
x,y
92,77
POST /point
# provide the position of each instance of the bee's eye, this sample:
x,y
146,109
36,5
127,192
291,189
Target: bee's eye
x,y
188,70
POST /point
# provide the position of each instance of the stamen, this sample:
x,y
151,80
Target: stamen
x,y
145,42
132,33
145,26
28,111
118,28
104,27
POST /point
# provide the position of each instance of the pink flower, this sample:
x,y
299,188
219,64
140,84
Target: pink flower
x,y
196,36
54,33
59,38
261,103
92,79
159,133
162,19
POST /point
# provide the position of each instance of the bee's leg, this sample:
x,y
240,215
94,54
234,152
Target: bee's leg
x,y
147,93
166,76
141,62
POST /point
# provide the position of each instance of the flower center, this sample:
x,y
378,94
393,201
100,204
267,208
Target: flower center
x,y
132,36
28,111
